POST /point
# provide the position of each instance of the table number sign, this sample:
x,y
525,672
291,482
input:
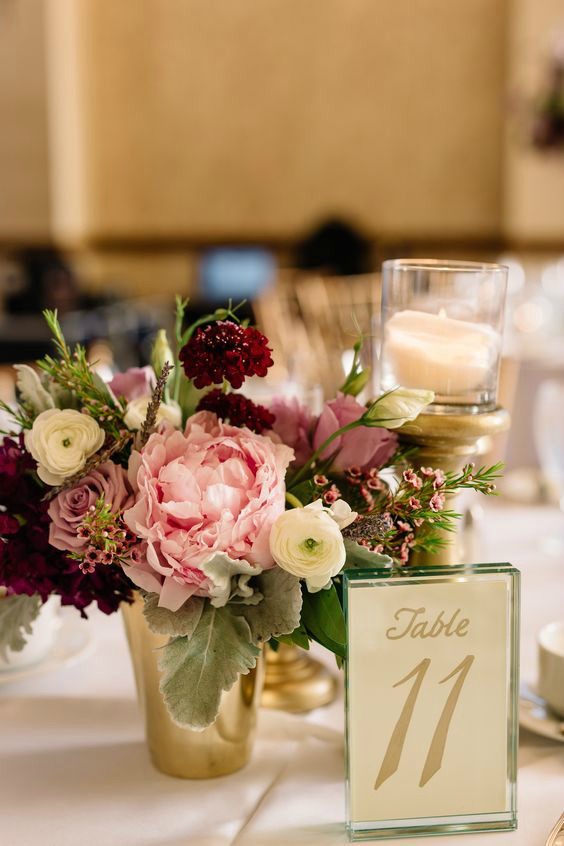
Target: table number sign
x,y
431,700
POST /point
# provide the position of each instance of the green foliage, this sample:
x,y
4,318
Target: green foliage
x,y
181,623
197,669
299,637
71,371
361,556
17,613
357,378
278,613
322,616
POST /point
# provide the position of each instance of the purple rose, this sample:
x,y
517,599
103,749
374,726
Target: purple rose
x,y
133,383
293,424
69,508
363,447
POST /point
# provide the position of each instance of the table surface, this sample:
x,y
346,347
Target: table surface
x,y
74,768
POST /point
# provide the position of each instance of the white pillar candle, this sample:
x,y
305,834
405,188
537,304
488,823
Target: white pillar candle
x,y
439,353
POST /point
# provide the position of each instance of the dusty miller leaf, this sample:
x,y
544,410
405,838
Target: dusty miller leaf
x,y
17,613
361,556
31,389
278,613
173,623
196,670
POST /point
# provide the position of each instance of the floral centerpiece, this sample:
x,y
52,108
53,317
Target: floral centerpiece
x,y
232,520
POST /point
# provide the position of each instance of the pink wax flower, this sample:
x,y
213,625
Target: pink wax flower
x,y
133,383
412,479
211,492
293,424
69,508
365,447
437,502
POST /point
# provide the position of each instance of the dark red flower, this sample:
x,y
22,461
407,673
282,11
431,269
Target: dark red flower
x,y
225,350
238,410
28,563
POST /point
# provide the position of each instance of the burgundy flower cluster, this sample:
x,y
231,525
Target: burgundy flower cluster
x,y
238,410
225,350
28,563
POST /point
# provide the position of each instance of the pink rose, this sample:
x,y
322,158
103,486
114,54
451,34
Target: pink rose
x,y
206,500
364,447
293,425
133,383
69,508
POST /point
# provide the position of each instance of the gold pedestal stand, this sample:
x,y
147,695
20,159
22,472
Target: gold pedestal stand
x,y
296,682
450,441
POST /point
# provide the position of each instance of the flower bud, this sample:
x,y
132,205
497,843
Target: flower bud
x,y
161,353
397,407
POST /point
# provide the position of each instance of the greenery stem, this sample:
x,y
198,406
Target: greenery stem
x,y
293,500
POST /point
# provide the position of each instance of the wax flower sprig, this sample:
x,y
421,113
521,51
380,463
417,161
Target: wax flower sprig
x,y
414,517
108,541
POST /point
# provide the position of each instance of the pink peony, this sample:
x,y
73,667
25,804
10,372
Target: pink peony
x,y
363,446
69,508
213,489
133,383
293,425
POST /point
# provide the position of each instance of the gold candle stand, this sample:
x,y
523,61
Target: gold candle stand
x,y
450,441
296,682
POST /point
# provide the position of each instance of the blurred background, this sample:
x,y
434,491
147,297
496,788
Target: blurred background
x,y
278,151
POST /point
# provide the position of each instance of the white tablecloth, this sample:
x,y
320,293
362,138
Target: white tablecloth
x,y
74,770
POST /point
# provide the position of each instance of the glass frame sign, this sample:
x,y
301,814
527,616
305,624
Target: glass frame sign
x,y
431,700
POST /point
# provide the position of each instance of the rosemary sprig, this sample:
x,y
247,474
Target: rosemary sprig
x,y
71,370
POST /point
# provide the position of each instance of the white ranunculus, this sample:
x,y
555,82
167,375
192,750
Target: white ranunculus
x,y
136,412
307,542
342,513
61,442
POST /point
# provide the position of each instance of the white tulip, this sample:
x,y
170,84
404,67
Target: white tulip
x,y
307,542
61,442
136,412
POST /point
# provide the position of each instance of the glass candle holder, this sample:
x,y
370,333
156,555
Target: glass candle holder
x,y
442,325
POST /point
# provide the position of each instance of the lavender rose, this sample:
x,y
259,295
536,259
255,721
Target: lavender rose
x,y
69,508
362,447
133,383
293,425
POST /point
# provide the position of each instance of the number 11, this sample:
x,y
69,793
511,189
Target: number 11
x,y
434,759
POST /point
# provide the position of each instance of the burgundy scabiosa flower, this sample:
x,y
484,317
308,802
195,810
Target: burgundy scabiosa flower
x,y
225,350
28,562
237,410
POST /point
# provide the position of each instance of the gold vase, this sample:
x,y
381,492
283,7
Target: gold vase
x,y
220,749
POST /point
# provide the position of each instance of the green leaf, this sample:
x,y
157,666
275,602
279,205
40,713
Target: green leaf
x,y
299,637
174,623
278,613
17,613
361,556
323,617
305,491
196,670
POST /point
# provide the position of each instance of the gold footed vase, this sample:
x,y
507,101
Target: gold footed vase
x,y
450,441
220,749
296,682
